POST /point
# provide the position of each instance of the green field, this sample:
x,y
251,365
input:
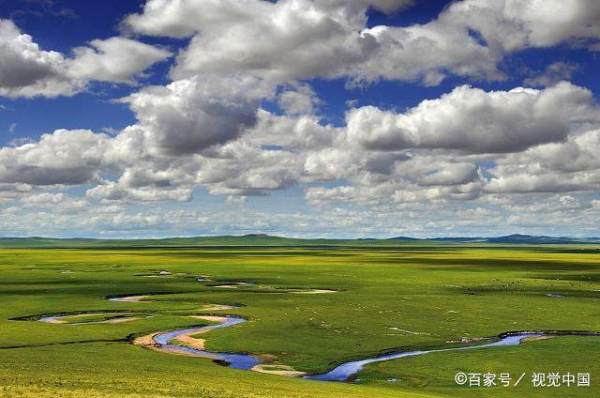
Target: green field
x,y
405,297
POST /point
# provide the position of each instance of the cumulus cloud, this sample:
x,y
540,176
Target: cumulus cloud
x,y
469,153
554,73
470,37
294,133
115,191
9,192
116,59
465,145
472,120
191,115
187,17
212,133
58,202
28,71
517,24
300,99
331,38
428,172
243,168
67,157
319,38
556,167
316,41
427,53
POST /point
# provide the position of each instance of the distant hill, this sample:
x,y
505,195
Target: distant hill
x,y
404,238
470,239
528,239
245,240
269,240
511,239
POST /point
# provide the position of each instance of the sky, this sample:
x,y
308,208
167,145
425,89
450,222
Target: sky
x,y
304,118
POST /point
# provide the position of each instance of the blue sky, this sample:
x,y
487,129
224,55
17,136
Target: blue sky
x,y
299,117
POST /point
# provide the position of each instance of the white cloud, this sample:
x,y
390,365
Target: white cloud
x,y
472,120
558,167
469,38
191,115
9,192
28,71
517,24
297,100
427,52
294,133
240,168
331,39
469,154
318,38
112,191
69,157
554,73
116,59
315,41
186,137
56,202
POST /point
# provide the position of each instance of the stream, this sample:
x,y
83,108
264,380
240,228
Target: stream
x,y
164,340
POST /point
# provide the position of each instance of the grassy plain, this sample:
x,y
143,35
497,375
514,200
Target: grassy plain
x,y
407,297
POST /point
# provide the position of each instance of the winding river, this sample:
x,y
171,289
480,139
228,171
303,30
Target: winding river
x,y
343,372
187,342
164,342
348,370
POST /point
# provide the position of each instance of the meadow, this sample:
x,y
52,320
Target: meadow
x,y
406,297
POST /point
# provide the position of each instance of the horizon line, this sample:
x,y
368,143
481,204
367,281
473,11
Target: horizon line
x,y
263,235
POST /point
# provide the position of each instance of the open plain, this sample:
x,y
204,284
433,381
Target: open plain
x,y
69,318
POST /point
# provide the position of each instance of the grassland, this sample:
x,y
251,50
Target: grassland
x,y
408,297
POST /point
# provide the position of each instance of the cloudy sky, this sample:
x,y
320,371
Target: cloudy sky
x,y
338,118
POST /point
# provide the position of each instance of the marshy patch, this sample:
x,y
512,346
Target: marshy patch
x,y
85,317
138,297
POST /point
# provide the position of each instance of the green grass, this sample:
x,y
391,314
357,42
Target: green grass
x,y
434,372
407,297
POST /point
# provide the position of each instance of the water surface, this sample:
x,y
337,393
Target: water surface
x,y
234,360
347,370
